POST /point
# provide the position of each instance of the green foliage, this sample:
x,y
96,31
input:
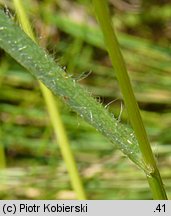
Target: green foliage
x,y
26,132
153,175
32,57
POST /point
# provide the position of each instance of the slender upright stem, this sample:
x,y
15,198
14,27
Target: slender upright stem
x,y
2,157
152,173
54,115
3,68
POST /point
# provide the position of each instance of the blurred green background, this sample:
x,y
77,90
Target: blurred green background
x,y
69,32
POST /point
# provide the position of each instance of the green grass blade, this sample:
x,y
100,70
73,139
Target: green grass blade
x,y
112,45
2,157
54,115
3,68
15,42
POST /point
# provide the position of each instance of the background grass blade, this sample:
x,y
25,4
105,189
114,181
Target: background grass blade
x,y
153,177
54,115
3,67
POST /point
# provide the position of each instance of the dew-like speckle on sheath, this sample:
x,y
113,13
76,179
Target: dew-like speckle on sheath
x,y
2,28
129,141
46,55
50,73
9,41
21,48
54,82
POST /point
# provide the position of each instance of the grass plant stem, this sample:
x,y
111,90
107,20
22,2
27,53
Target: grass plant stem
x,y
3,69
2,157
54,115
152,172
